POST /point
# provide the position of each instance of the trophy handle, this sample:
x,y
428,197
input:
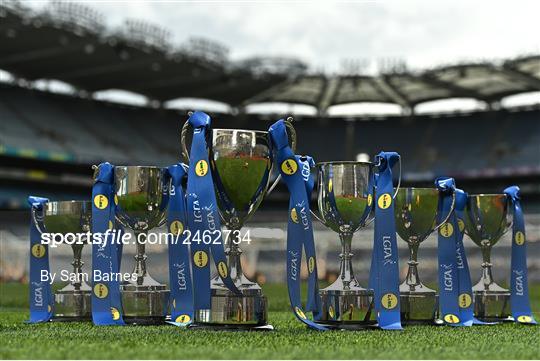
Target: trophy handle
x,y
292,132
317,217
37,221
183,142
452,207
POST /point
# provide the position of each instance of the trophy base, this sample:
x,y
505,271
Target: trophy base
x,y
347,309
230,312
492,306
72,305
145,305
419,307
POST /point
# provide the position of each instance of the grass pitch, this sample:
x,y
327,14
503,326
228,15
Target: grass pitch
x,y
290,340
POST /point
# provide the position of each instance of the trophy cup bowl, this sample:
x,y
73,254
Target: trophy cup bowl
x,y
486,220
416,218
241,162
141,207
74,301
345,203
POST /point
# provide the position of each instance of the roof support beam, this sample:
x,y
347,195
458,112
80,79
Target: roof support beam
x,y
384,83
521,76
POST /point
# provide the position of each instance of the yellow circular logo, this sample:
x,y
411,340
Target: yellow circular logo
x,y
176,228
115,199
461,224
300,313
49,308
465,300
330,186
389,301
369,200
38,250
446,230
311,264
289,166
100,290
294,215
201,168
200,258
385,201
110,225
524,319
115,313
100,201
450,318
520,238
183,319
331,312
223,270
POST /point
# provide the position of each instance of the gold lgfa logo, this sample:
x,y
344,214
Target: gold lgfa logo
x,y
289,166
100,290
311,264
385,201
294,215
520,238
223,270
115,314
200,258
465,300
176,228
38,250
389,301
100,201
201,168
183,319
446,230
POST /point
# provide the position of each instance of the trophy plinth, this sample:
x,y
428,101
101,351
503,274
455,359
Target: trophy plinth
x,y
345,203
74,301
347,308
416,216
420,306
71,304
486,221
141,207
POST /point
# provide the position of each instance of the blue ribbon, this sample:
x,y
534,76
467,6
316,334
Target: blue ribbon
x,y
384,276
181,296
447,249
106,297
41,300
295,173
519,296
203,216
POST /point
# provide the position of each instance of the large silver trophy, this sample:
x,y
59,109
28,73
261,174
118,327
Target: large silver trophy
x,y
74,301
142,207
486,220
241,162
416,218
345,197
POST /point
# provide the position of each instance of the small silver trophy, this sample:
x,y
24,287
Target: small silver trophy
x,y
141,207
74,301
241,162
486,220
416,218
345,197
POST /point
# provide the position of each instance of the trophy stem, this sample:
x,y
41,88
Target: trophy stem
x,y
140,259
233,252
77,265
346,271
487,277
413,279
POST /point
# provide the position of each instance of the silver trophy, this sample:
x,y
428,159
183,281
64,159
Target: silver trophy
x,y
487,218
241,162
345,202
74,301
416,218
142,207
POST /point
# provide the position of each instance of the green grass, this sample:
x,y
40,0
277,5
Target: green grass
x,y
290,340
